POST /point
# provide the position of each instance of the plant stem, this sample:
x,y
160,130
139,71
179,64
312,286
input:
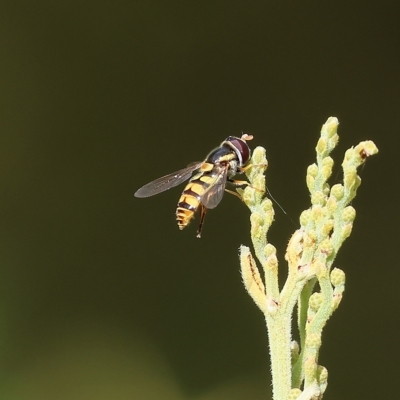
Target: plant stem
x,y
279,334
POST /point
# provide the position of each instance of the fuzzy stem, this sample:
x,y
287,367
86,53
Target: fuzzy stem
x,y
279,335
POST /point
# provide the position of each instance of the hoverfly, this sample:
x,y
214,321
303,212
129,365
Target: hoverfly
x,y
208,179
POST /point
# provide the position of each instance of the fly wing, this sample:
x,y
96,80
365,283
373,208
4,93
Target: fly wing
x,y
212,197
168,181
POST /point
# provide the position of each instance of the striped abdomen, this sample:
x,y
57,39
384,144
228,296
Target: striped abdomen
x,y
190,199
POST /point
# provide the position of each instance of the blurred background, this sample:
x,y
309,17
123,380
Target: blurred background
x,y
101,295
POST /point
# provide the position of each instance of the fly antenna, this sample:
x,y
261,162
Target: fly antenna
x,y
246,137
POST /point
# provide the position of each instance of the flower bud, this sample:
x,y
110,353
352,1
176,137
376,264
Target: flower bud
x,y
318,198
337,191
338,277
349,214
305,217
315,301
312,170
294,394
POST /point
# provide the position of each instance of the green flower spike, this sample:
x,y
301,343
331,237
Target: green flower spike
x,y
310,254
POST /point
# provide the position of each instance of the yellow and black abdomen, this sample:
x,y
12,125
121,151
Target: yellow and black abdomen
x,y
190,199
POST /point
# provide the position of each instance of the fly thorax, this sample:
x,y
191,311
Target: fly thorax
x,y
233,167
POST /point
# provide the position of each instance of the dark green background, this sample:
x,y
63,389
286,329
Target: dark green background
x,y
101,295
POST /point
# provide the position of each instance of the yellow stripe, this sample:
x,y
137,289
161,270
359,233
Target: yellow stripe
x,y
206,167
183,217
207,179
192,201
195,187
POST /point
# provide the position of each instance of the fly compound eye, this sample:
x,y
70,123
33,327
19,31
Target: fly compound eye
x,y
241,149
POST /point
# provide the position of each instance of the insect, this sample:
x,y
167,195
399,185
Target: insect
x,y
208,180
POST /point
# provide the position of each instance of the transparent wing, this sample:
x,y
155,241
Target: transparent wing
x,y
168,181
212,197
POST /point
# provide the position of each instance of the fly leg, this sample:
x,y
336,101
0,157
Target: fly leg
x,y
248,166
244,169
237,183
203,211
240,183
234,193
